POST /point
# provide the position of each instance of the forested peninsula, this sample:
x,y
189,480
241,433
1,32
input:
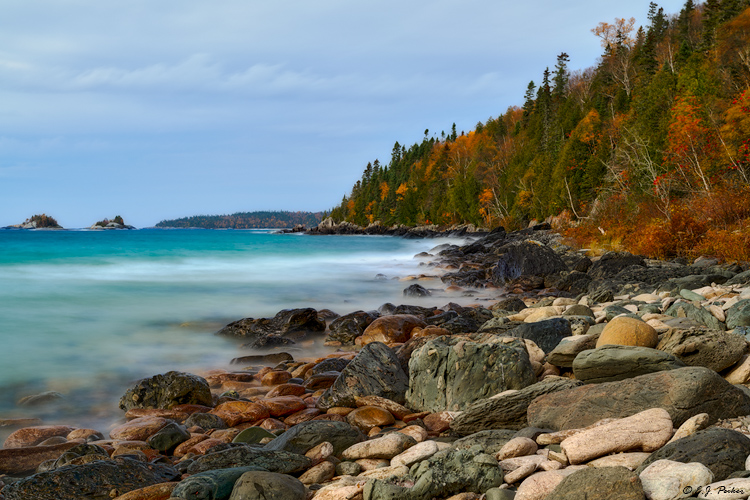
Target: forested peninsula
x,y
246,220
649,149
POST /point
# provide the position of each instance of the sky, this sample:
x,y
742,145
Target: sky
x,y
155,110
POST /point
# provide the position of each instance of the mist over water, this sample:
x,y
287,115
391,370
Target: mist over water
x,y
85,313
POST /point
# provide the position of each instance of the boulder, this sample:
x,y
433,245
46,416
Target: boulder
x,y
92,480
723,451
683,309
610,363
375,371
569,347
211,485
547,334
260,485
624,330
388,329
611,263
648,430
683,392
739,314
294,323
600,484
350,326
416,291
667,480
166,391
387,447
713,349
526,258
241,455
32,436
453,372
506,411
28,458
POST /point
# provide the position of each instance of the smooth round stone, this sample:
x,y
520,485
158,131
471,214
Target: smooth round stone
x,y
321,473
628,331
273,424
283,405
367,417
348,469
32,436
276,377
138,429
286,389
321,380
205,421
302,416
85,434
237,412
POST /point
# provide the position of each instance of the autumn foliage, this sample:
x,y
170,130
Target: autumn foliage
x,y
649,150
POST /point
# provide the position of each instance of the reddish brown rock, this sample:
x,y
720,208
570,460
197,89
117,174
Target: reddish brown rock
x,y
389,329
397,410
428,331
236,412
340,410
286,390
31,436
302,370
26,459
283,405
321,381
272,424
331,416
204,446
183,448
302,416
190,409
85,435
276,377
440,421
415,416
139,429
367,417
226,435
161,491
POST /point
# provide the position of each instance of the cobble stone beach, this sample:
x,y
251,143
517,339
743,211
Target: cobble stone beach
x,y
571,376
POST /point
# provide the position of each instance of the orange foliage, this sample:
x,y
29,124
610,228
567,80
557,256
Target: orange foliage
x,y
384,190
402,190
616,34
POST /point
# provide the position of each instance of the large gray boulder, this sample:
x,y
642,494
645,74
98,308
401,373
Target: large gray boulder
x,y
453,372
723,451
570,347
167,390
688,310
292,323
610,363
713,349
547,334
375,371
683,392
347,328
283,462
526,258
92,480
507,411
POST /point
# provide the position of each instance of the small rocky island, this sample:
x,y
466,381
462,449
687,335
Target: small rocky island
x,y
42,221
116,223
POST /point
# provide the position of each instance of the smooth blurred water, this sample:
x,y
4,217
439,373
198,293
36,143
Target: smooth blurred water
x,y
86,312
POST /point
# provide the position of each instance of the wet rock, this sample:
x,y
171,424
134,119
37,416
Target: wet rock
x,y
367,417
73,455
289,323
453,372
166,391
93,480
394,328
303,437
270,359
416,291
350,326
32,436
723,451
468,321
328,365
283,462
507,411
168,437
713,349
237,412
683,392
610,363
138,429
26,459
375,371
283,405
510,304
259,485
205,421
600,484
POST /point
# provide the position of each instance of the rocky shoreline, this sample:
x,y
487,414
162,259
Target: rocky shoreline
x,y
608,377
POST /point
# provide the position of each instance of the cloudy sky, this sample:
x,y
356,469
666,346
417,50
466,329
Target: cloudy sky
x,y
169,108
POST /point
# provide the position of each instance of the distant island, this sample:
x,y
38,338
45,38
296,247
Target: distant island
x,y
116,223
247,220
42,221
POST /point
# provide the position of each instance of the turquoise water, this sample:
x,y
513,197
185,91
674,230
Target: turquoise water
x,y
85,313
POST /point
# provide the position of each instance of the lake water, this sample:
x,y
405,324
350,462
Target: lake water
x,y
85,313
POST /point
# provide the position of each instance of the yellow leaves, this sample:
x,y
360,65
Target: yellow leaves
x,y
486,197
384,188
617,34
586,130
402,190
